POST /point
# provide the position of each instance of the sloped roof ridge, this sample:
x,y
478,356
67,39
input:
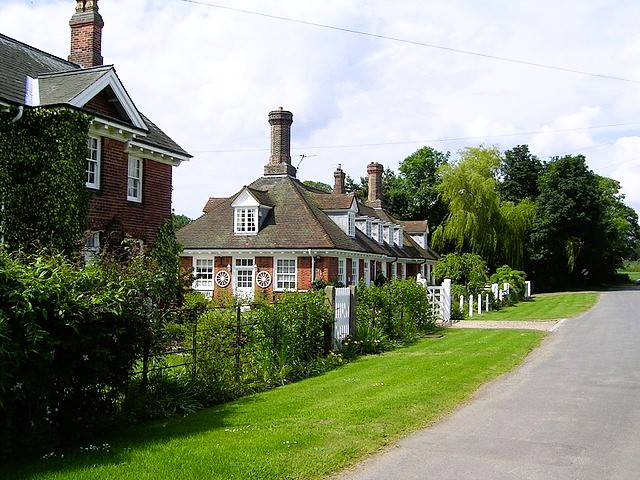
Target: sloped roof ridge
x,y
77,71
299,187
41,52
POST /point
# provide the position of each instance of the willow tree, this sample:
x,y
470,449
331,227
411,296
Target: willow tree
x,y
479,221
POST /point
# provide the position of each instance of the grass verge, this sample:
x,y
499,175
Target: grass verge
x,y
545,306
305,430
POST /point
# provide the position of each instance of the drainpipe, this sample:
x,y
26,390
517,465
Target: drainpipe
x,y
313,266
19,115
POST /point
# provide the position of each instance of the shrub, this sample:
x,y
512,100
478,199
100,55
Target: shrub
x,y
515,279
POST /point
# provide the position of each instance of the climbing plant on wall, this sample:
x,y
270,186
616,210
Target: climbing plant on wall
x,y
42,179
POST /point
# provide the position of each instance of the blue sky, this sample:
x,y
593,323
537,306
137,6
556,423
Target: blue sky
x,y
209,76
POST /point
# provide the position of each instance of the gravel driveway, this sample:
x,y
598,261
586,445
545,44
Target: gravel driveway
x,y
546,325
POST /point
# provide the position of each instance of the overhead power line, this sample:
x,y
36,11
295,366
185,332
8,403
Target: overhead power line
x,y
413,42
409,142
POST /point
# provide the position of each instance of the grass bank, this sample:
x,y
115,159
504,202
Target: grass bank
x,y
545,306
305,430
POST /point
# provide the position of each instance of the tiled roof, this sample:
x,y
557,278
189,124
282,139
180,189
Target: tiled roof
x,y
333,201
296,221
213,203
414,226
59,82
62,87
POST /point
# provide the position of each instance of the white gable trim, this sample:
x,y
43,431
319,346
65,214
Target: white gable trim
x,y
149,152
110,79
245,199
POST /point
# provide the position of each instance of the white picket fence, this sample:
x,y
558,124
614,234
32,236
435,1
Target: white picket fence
x,y
342,314
440,299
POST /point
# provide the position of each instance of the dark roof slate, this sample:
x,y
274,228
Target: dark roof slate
x,y
59,82
296,221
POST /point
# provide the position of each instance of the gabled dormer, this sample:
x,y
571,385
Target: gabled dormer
x,y
345,218
250,208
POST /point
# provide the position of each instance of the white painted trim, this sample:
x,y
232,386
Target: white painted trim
x,y
110,79
156,154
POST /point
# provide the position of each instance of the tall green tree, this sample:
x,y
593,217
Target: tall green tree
x,y
318,185
567,240
619,224
478,221
519,173
412,193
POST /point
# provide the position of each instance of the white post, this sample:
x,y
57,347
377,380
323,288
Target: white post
x,y
445,299
527,285
479,304
486,302
470,306
461,302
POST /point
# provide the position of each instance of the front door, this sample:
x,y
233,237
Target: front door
x,y
243,273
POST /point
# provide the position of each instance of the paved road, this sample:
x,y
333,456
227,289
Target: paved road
x,y
571,411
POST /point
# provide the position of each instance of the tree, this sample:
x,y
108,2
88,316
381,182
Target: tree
x,y
412,194
619,224
318,186
466,269
478,220
179,221
361,190
567,242
519,172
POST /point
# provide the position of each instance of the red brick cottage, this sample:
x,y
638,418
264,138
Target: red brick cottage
x,y
129,159
277,234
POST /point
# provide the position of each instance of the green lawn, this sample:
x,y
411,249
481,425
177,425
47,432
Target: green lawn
x,y
633,276
545,306
305,430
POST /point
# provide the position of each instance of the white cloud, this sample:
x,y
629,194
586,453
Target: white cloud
x,y
209,76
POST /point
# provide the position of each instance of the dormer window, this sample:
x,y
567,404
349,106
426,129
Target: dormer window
x,y
352,224
385,234
397,235
248,212
375,231
368,231
246,220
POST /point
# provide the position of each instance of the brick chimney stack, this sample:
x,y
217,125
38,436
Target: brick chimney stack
x,y
86,34
339,180
280,158
374,171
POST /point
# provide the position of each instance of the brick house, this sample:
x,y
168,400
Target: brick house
x,y
129,159
277,234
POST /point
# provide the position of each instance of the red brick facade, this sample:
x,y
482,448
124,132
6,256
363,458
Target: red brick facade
x,y
109,210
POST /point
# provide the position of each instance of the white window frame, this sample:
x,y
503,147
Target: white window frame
x,y
352,224
342,272
375,231
242,223
203,271
94,157
134,179
367,273
385,234
283,279
91,246
355,267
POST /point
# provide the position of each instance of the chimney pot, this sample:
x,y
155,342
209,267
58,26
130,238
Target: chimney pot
x,y
339,181
86,34
374,171
280,158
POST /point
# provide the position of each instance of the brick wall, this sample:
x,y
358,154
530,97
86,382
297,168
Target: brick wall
x,y
100,104
304,273
109,209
